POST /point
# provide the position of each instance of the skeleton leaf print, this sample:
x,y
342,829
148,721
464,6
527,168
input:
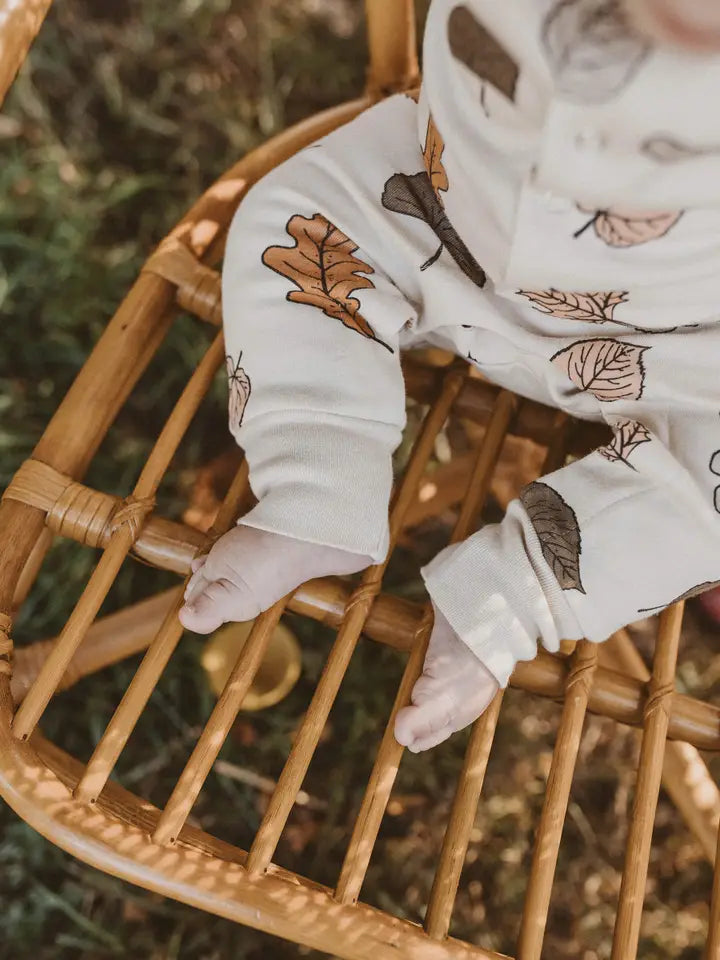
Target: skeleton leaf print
x,y
239,384
608,369
592,307
626,228
627,436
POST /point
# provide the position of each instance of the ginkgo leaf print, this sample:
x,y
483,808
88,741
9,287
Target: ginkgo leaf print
x,y
591,49
627,436
556,526
608,369
239,384
688,595
618,228
323,266
471,44
413,196
592,307
432,155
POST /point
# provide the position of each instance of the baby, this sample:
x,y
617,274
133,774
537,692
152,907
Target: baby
x,y
549,208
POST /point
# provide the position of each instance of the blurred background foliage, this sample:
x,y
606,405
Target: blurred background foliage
x,y
123,114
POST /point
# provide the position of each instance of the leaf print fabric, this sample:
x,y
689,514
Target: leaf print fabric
x,y
665,149
557,529
432,155
240,388
608,369
715,469
688,595
628,229
325,269
591,50
593,307
627,436
471,44
413,196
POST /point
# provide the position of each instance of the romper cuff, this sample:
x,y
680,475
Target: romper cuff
x,y
326,481
499,596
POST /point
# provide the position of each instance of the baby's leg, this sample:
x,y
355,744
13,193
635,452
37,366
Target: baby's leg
x,y
600,543
317,284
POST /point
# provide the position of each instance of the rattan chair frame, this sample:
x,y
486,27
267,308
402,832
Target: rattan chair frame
x,y
80,809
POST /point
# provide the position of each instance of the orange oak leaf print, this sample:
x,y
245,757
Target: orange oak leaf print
x,y
432,155
325,269
592,307
240,388
627,435
627,228
608,369
556,526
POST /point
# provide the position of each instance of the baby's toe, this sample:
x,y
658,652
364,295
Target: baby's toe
x,y
208,610
209,604
425,723
432,740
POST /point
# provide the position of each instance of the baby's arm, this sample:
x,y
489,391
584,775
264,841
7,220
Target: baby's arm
x,y
603,542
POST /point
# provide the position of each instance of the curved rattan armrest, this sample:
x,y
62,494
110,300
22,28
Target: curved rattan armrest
x,y
19,24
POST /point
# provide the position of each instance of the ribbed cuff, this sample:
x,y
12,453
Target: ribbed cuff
x,y
496,591
326,482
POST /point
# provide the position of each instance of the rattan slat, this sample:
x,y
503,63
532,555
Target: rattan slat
x,y
655,724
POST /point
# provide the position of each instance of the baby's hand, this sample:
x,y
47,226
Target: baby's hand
x,y
249,570
454,689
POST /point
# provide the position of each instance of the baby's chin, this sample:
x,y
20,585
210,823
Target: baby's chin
x,y
692,25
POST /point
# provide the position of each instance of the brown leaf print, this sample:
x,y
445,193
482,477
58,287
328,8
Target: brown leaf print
x,y
592,51
627,435
471,44
323,266
557,529
592,307
618,228
413,196
688,595
240,388
608,369
432,155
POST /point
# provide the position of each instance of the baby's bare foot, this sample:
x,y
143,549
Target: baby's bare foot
x,y
249,570
454,689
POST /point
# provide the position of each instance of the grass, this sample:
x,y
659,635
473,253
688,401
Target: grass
x,y
123,114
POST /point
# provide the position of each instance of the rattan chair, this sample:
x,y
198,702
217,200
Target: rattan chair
x,y
77,807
